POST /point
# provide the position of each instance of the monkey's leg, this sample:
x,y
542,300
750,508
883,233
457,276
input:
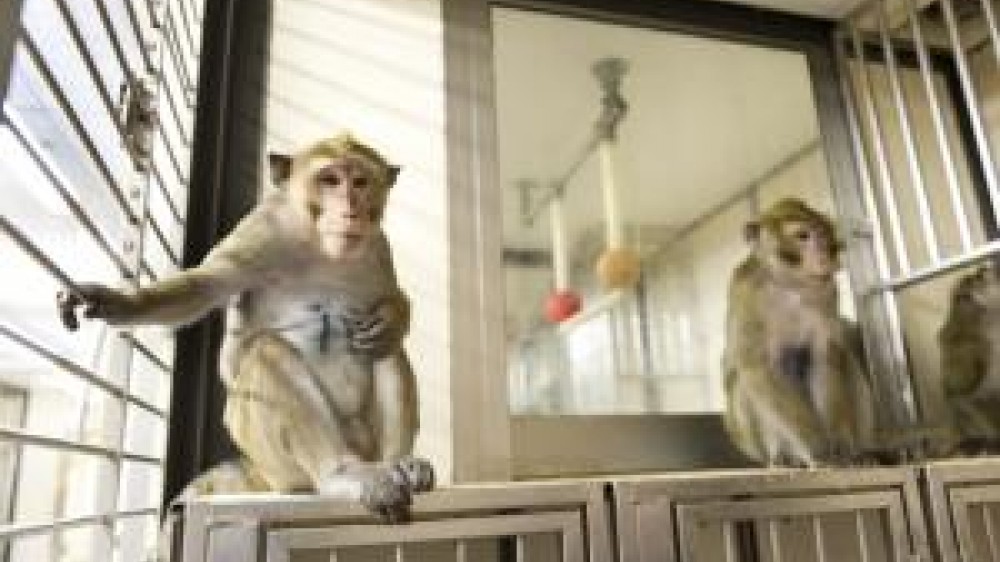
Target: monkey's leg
x,y
830,389
396,420
786,420
279,416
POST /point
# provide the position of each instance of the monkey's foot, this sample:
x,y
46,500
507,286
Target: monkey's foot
x,y
419,473
387,494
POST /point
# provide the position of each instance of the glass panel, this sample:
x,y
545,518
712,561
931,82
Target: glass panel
x,y
715,132
145,432
135,538
141,484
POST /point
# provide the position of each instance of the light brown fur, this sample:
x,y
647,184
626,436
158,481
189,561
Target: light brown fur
x,y
796,393
321,395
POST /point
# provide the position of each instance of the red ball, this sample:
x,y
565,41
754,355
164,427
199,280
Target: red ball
x,y
562,305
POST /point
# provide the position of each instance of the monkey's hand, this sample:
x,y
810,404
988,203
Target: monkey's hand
x,y
97,301
387,494
419,473
381,331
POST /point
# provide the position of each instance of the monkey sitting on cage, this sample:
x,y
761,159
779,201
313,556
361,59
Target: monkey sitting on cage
x,y
969,341
796,392
320,393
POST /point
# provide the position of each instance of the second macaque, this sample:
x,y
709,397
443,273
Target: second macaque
x,y
970,359
320,393
796,391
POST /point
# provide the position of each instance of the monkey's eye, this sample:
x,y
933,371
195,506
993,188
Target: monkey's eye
x,y
802,235
329,180
361,183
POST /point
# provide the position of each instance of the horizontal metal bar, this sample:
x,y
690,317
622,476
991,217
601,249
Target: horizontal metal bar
x,y
81,131
71,367
175,112
24,437
112,34
945,266
172,156
88,61
139,39
17,530
36,254
162,239
162,184
59,183
148,353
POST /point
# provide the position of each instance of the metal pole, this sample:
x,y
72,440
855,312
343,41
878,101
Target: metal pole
x,y
940,131
909,144
10,25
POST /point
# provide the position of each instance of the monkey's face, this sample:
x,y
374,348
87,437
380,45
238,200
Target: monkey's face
x,y
343,196
984,287
802,251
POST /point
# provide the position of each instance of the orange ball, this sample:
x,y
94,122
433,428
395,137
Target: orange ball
x,y
618,268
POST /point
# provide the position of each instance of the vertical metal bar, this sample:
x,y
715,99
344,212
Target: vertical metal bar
x,y
863,543
940,131
894,334
817,526
991,20
333,555
886,183
400,554
991,536
520,549
729,541
461,551
774,539
972,105
928,229
10,23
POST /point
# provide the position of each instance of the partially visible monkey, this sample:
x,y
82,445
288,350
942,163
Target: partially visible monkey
x,y
796,392
320,394
969,341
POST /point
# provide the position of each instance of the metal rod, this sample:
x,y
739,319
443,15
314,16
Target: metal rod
x,y
112,34
729,541
897,347
991,20
60,184
76,370
162,239
972,105
862,528
76,122
818,534
186,24
29,247
774,539
333,556
928,228
12,531
520,548
146,352
80,44
885,183
940,131
991,538
161,183
980,252
400,553
139,39
172,156
173,49
461,551
19,436
558,186
175,112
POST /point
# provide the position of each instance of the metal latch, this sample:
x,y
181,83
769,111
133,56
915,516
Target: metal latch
x,y
139,120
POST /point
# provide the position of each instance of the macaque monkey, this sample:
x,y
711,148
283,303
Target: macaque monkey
x,y
320,394
970,359
796,393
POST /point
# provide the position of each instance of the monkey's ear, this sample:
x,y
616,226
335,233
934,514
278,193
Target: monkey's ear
x,y
751,231
281,167
393,173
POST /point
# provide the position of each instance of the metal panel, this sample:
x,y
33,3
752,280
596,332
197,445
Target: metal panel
x,y
649,508
957,492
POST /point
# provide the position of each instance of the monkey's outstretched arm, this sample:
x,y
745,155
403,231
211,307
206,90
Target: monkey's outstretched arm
x,y
234,266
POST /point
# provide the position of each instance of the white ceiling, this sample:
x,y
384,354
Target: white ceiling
x,y
706,117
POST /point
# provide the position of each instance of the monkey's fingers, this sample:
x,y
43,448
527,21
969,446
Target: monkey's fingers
x,y
66,303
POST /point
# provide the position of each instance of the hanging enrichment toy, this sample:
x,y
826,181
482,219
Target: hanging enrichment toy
x,y
563,303
618,266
